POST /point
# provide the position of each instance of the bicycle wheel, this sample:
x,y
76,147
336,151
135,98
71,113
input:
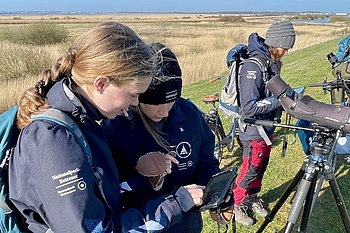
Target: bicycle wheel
x,y
219,136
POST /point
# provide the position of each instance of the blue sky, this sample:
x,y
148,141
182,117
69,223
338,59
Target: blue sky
x,y
332,6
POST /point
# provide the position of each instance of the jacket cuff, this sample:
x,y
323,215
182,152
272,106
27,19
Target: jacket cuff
x,y
184,199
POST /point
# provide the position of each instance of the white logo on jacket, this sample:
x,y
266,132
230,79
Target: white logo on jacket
x,y
183,150
251,74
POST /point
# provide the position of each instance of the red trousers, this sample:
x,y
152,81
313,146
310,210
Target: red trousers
x,y
256,156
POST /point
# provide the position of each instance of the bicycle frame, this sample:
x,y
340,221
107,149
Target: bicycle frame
x,y
215,123
230,136
213,119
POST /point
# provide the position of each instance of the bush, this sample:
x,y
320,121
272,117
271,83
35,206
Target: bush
x,y
19,61
231,19
39,33
338,19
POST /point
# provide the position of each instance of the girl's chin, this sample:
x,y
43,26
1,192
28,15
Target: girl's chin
x,y
157,119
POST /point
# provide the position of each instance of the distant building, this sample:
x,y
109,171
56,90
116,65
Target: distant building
x,y
341,14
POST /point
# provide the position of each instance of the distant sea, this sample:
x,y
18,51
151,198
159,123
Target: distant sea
x,y
315,21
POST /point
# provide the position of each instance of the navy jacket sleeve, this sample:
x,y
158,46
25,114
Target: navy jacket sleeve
x,y
52,184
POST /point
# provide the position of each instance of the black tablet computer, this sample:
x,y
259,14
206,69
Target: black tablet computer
x,y
216,189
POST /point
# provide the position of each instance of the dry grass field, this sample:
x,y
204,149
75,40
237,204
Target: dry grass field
x,y
200,41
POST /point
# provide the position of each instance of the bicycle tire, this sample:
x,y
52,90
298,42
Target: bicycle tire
x,y
219,136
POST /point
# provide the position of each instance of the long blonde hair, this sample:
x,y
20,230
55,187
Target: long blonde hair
x,y
107,49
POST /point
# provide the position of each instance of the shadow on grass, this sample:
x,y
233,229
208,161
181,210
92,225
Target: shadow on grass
x,y
230,159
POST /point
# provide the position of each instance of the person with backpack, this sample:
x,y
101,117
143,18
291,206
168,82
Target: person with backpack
x,y
165,123
258,103
53,182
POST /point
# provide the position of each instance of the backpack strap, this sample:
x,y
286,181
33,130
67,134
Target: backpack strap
x,y
237,70
262,63
63,119
263,66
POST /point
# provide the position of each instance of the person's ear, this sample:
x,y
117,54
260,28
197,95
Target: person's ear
x,y
101,83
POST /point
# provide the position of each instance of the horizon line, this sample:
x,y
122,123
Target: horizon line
x,y
162,12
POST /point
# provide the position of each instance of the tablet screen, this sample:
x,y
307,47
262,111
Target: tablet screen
x,y
217,187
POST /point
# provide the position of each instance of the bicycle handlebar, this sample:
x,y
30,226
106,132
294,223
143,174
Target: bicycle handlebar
x,y
214,79
217,78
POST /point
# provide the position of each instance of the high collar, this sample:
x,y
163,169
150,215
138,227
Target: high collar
x,y
257,46
61,96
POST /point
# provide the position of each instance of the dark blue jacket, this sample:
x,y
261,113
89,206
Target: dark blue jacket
x,y
52,182
188,135
256,101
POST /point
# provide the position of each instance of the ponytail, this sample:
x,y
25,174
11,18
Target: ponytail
x,y
33,100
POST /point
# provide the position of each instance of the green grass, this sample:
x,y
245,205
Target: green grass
x,y
301,68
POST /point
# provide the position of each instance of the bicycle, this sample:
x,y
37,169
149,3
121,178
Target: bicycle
x,y
212,117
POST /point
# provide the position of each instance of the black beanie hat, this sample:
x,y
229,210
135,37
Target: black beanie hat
x,y
281,34
166,86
